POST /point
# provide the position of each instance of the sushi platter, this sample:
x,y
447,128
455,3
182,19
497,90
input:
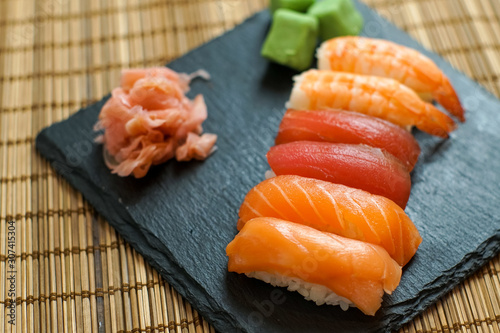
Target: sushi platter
x,y
181,216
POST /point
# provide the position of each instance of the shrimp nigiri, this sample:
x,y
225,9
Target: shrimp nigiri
x,y
334,208
322,267
372,95
379,57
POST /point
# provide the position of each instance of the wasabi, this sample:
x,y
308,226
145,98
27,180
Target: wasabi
x,y
296,5
292,39
336,18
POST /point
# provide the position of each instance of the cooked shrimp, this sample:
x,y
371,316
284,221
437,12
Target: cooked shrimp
x,y
378,57
372,95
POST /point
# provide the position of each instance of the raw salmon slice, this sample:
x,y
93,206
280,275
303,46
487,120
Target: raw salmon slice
x,y
314,263
334,208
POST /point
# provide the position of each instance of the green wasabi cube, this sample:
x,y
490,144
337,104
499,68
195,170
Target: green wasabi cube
x,y
296,5
336,18
292,39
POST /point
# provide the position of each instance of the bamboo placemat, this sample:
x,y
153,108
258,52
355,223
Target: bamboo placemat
x,y
72,271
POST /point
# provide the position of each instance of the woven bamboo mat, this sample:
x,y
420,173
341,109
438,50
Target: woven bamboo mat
x,y
73,272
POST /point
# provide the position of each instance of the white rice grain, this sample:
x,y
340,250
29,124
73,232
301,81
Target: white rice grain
x,y
311,291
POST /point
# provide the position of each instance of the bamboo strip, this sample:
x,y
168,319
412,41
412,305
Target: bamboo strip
x,y
69,307
25,166
57,263
80,321
15,132
164,305
95,54
99,291
494,287
147,30
442,314
25,191
4,94
178,308
65,200
91,288
35,169
11,193
51,115
128,311
102,286
4,220
35,184
154,301
116,310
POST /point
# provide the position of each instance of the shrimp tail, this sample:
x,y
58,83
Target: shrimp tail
x,y
447,97
436,123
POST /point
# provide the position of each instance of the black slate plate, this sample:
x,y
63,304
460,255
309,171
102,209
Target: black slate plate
x,y
182,215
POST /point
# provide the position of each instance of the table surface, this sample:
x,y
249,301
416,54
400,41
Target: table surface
x,y
73,272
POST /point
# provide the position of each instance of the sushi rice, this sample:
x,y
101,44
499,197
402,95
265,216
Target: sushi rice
x,y
269,174
311,291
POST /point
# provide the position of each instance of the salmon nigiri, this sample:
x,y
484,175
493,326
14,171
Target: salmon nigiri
x,y
359,166
334,208
340,126
321,266
370,56
372,95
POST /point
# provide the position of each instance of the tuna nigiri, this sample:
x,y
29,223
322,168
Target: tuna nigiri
x,y
334,208
359,166
348,127
379,57
321,266
372,95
